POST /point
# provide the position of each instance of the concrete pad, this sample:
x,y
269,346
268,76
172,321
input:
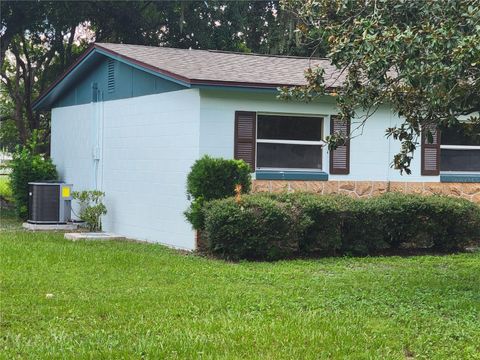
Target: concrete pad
x,y
50,227
92,236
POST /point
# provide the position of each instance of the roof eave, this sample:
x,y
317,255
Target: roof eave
x,y
93,49
179,79
36,105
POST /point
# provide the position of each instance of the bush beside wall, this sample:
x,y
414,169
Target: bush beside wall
x,y
258,228
214,178
271,226
28,166
319,236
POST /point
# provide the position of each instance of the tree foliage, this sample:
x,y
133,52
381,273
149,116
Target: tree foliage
x,y
39,40
422,58
37,45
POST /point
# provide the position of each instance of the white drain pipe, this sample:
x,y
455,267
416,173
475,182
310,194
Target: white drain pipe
x,y
97,134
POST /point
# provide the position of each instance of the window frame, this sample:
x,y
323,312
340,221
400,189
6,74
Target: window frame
x,y
458,148
291,142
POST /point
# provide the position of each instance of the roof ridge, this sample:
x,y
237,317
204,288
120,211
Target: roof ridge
x,y
269,55
149,46
223,51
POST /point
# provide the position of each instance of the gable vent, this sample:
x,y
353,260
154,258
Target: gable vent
x,y
111,75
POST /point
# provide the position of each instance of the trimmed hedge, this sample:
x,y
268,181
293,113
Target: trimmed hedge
x,y
260,228
214,178
269,226
319,236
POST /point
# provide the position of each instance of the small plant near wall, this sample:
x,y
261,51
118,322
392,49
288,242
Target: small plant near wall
x,y
91,208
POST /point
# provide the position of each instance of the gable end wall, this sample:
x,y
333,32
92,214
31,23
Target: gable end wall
x,y
129,82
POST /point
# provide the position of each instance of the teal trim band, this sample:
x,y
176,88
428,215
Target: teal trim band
x,y
460,178
249,89
291,175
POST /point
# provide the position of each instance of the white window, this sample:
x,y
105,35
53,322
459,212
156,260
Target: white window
x,y
286,142
460,148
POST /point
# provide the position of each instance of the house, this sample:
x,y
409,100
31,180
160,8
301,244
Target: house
x,y
131,120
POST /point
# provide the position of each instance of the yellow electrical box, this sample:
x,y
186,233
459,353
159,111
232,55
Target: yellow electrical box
x,y
65,192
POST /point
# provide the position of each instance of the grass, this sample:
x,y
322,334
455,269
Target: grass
x,y
129,300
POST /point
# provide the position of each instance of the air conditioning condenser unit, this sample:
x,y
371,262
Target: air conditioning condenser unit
x,y
49,203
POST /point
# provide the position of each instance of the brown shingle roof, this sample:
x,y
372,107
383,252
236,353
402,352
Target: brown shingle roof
x,y
217,67
198,67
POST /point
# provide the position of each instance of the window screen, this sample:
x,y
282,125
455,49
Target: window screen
x,y
460,148
289,128
289,142
465,134
460,160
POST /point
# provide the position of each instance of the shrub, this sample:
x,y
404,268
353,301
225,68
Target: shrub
x,y
362,229
326,214
455,223
28,166
214,178
405,219
5,189
439,222
91,208
273,226
258,227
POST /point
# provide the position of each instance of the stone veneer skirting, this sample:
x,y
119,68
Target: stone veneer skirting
x,y
361,189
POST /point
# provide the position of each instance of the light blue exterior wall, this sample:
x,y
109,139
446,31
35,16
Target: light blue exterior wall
x,y
217,112
145,147
129,82
371,153
72,144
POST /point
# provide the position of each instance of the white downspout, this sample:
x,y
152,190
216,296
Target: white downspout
x,y
96,136
101,137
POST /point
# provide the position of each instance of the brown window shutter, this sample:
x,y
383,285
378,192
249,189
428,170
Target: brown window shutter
x,y
431,152
245,128
340,157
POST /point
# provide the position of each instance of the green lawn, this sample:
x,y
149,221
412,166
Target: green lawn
x,y
129,300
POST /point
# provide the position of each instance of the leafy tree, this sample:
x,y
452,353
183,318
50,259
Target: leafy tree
x,y
8,130
39,40
8,136
245,26
422,58
38,44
